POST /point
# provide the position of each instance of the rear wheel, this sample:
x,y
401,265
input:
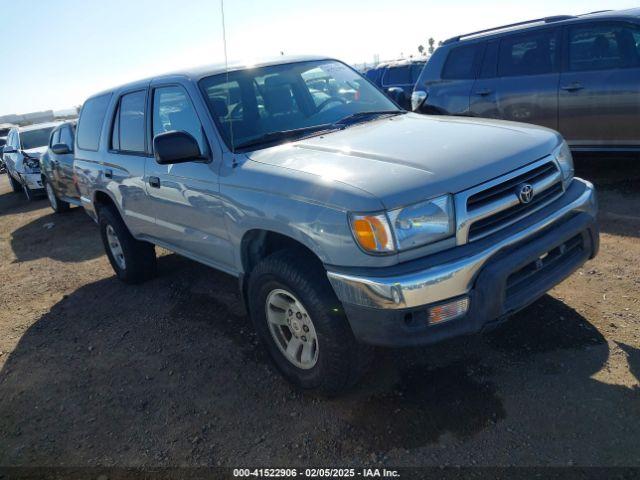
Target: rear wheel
x,y
134,261
15,185
300,320
57,205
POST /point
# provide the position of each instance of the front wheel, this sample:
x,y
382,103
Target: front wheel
x,y
15,185
57,205
134,261
300,320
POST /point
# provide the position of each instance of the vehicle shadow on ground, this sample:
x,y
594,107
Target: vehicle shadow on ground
x,y
66,237
15,203
170,370
448,387
617,181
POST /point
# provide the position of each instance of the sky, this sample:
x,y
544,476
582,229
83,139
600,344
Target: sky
x,y
58,52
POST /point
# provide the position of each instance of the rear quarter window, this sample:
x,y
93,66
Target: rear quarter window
x,y
90,122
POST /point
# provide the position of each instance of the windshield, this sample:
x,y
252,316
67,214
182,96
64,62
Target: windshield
x,y
260,102
35,138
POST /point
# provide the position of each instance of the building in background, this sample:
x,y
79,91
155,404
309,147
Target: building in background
x,y
28,118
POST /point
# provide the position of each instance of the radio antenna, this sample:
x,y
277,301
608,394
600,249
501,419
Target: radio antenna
x,y
226,69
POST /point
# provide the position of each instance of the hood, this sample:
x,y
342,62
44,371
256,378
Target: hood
x,y
36,152
409,158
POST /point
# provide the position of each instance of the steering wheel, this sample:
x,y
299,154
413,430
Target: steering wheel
x,y
324,103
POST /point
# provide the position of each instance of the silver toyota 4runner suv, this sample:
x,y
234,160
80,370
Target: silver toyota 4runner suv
x,y
348,221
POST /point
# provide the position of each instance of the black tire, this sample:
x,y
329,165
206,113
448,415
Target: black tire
x,y
139,256
15,185
341,360
57,205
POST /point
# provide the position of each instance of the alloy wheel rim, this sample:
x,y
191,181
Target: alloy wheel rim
x,y
115,247
51,196
292,329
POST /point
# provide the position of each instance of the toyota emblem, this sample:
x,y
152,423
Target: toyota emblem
x,y
525,193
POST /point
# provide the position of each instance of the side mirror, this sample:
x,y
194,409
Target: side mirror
x,y
175,147
61,149
396,94
9,149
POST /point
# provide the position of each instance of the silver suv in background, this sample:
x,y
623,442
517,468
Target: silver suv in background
x,y
347,221
56,168
22,154
579,75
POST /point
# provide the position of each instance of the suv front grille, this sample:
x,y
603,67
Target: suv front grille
x,y
495,204
506,187
488,225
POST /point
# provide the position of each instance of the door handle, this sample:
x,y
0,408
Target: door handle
x,y
108,173
154,182
573,87
484,93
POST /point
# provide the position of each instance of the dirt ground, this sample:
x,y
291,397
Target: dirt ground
x,y
169,373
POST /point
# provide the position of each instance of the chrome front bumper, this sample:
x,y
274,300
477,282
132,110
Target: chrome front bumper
x,y
454,279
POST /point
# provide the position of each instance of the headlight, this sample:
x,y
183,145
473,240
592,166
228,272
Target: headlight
x,y
423,223
564,158
417,99
372,232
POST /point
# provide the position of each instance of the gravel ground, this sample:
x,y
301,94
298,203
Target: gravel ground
x,y
169,373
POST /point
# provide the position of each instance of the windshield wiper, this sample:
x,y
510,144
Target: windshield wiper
x,y
284,135
359,115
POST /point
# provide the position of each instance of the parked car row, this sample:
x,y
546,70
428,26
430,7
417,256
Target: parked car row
x,y
348,221
397,79
21,155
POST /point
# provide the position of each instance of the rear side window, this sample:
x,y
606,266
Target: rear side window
x,y
398,75
91,120
129,123
529,54
604,46
461,63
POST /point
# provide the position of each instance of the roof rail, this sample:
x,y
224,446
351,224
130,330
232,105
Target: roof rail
x,y
597,11
556,18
